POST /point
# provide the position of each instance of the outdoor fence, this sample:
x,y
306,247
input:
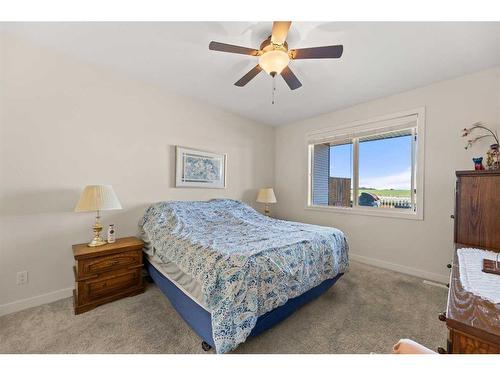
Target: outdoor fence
x,y
395,202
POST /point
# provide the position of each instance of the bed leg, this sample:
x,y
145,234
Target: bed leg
x,y
205,346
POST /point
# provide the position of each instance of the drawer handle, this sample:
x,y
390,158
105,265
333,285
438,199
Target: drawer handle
x,y
442,317
448,265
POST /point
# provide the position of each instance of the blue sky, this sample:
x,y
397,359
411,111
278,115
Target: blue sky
x,y
383,164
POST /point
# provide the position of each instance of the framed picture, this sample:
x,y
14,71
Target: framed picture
x,y
195,168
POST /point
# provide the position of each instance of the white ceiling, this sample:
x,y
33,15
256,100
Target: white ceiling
x,y
379,59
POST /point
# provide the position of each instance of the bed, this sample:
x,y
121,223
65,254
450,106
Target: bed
x,y
231,272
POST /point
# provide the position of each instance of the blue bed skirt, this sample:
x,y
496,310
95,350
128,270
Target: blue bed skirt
x,y
199,319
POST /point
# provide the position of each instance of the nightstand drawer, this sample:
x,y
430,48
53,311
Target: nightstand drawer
x,y
102,287
107,273
99,265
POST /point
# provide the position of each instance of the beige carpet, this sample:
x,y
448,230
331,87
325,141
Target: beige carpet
x,y
368,310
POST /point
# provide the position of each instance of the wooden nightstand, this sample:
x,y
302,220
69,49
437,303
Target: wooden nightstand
x,y
107,273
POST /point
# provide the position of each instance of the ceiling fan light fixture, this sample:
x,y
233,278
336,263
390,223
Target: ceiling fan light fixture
x,y
274,61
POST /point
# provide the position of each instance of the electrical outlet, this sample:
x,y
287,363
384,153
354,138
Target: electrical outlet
x,y
22,277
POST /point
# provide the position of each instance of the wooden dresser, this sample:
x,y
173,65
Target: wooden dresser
x,y
474,323
107,273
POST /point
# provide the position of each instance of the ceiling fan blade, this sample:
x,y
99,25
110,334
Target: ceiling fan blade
x,y
223,47
326,52
291,79
280,31
249,76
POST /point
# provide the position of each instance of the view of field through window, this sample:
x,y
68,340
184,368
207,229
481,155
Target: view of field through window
x,y
384,172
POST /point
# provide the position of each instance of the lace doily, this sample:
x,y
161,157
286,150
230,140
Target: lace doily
x,y
474,280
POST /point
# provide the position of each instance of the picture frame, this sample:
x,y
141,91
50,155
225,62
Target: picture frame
x,y
200,169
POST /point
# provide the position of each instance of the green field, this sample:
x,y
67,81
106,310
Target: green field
x,y
387,192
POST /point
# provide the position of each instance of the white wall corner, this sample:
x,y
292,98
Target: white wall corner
x,y
42,299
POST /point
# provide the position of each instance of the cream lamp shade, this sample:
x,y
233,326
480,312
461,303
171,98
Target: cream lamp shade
x,y
273,62
266,195
98,198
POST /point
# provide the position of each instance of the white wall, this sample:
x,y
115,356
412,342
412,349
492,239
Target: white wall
x,y
65,124
418,247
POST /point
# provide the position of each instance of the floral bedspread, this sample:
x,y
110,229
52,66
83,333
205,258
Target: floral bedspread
x,y
246,263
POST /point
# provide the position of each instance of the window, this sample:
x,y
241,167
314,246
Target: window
x,y
372,167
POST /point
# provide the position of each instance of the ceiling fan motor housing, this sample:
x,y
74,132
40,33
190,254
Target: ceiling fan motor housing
x,y
267,44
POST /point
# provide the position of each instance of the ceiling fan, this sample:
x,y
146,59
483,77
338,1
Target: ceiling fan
x,y
274,55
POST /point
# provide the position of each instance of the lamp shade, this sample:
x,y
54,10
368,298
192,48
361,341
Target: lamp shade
x,y
274,61
97,198
266,195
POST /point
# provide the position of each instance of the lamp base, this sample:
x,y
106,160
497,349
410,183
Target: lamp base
x,y
97,241
97,228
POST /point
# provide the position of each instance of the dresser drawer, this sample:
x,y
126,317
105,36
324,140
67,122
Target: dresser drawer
x,y
95,266
103,287
463,343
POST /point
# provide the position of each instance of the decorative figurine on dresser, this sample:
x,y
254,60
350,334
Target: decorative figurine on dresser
x,y
493,154
473,312
111,234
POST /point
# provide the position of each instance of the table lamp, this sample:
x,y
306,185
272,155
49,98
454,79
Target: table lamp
x,y
266,196
97,198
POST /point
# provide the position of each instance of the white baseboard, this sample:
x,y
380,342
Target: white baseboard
x,y
35,301
443,279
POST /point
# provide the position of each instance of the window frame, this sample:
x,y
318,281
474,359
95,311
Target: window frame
x,y
380,124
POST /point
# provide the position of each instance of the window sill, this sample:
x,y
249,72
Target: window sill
x,y
366,211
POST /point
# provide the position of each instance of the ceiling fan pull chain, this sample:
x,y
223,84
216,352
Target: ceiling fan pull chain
x,y
274,87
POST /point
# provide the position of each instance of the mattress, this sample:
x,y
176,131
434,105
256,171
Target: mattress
x,y
185,283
